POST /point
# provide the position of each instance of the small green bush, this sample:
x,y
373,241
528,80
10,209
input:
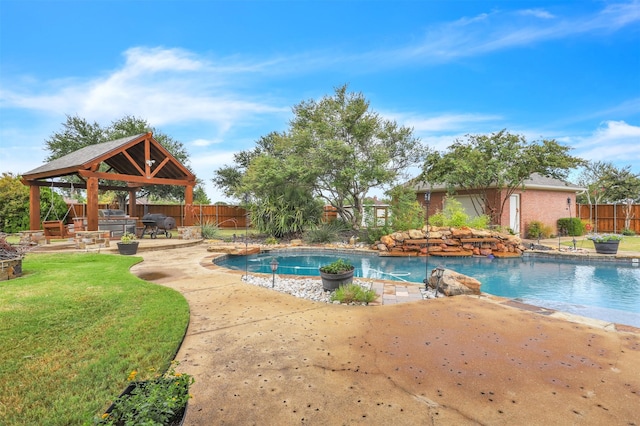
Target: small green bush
x,y
454,216
371,235
271,241
536,229
571,226
628,232
354,293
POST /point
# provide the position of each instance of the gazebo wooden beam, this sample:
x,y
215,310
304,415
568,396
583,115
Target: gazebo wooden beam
x,y
79,185
136,179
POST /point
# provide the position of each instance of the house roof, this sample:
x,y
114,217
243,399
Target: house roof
x,y
138,159
535,181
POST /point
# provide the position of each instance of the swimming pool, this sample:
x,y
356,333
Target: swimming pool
x,y
601,290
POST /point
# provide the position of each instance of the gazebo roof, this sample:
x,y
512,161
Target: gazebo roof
x,y
137,159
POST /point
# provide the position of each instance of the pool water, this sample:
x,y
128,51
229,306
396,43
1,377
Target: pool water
x,y
601,290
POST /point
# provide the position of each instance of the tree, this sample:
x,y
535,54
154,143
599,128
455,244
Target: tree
x,y
338,147
200,195
229,178
351,149
492,167
622,186
406,211
14,204
77,133
283,194
591,177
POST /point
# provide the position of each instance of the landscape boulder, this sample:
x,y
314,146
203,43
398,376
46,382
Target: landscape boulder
x,y
453,283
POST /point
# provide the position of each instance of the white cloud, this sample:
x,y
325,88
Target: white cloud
x,y
538,13
506,30
447,122
204,142
615,141
165,86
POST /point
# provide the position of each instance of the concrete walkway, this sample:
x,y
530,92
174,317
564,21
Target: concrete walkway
x,y
262,357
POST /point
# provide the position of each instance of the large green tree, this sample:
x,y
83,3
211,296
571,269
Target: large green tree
x,y
337,147
14,204
77,133
592,177
622,186
481,163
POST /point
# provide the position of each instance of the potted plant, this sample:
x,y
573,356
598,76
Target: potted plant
x,y
336,274
606,243
162,400
128,244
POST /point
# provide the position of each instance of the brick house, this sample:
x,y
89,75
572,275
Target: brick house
x,y
543,199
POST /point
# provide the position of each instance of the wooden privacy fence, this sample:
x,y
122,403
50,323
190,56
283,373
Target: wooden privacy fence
x,y
610,217
223,216
604,217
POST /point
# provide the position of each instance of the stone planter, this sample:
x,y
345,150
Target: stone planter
x,y
333,281
128,249
10,268
607,247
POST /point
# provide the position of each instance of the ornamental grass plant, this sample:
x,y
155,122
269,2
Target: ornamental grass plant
x,y
74,326
354,293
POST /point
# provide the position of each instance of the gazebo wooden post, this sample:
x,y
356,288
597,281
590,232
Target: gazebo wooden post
x,y
132,202
34,207
188,205
92,204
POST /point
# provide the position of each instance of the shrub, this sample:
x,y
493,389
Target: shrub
x,y
455,216
354,293
571,226
479,222
371,235
628,232
271,241
536,229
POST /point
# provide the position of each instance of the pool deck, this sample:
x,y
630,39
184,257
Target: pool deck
x,y
263,357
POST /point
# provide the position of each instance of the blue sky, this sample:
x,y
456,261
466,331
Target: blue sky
x,y
217,75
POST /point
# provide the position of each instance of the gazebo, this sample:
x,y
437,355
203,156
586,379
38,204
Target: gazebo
x,y
137,160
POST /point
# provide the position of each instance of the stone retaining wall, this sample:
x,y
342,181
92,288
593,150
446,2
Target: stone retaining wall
x,y
440,241
189,232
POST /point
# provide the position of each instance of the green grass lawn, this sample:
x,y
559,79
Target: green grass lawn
x,y
73,328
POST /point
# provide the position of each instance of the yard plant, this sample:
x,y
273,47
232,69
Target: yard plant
x,y
73,328
353,293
